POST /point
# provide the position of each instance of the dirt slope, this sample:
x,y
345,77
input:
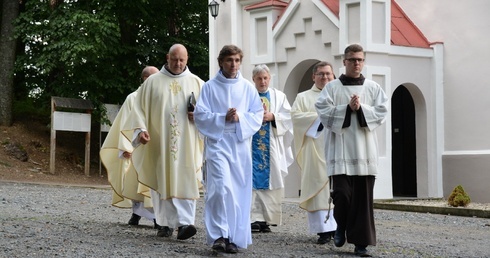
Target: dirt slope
x,y
25,155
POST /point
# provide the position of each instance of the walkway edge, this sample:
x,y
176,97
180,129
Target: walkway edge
x,y
464,212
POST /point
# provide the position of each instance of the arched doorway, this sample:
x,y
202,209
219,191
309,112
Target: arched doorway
x,y
404,160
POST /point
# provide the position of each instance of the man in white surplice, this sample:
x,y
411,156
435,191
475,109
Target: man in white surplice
x,y
228,113
309,147
271,153
351,108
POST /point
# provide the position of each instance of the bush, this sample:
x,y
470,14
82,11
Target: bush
x,y
459,198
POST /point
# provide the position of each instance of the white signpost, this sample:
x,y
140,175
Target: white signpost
x,y
70,121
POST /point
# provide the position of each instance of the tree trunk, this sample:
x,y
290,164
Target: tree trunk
x,y
10,11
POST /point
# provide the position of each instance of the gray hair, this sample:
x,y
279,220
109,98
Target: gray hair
x,y
260,68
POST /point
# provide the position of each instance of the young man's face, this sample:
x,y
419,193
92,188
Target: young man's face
x,y
354,62
322,76
230,65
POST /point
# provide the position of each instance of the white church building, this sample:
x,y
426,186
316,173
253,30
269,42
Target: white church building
x,y
429,56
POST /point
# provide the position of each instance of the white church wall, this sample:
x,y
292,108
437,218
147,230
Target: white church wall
x,y
462,27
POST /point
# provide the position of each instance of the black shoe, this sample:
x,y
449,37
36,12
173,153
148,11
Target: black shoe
x,y
164,231
360,250
339,238
220,244
255,227
155,225
265,229
186,232
134,220
231,248
323,238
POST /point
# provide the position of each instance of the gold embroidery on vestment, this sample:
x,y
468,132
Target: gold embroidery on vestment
x,y
174,132
175,87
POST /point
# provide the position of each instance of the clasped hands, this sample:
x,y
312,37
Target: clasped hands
x,y
231,115
355,102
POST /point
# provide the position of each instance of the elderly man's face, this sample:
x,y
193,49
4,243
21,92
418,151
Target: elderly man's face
x,y
261,81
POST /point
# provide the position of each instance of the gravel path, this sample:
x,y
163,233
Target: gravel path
x,y
62,221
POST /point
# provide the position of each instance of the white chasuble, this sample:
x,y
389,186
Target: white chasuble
x,y
309,152
120,172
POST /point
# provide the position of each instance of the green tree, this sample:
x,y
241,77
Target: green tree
x,y
96,49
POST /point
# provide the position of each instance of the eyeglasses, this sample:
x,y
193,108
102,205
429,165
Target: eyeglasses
x,y
353,60
322,74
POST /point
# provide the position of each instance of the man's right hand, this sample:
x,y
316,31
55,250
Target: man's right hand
x,y
127,155
144,137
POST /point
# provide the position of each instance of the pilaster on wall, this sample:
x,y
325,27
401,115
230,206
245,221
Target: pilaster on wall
x,y
436,179
366,22
261,36
213,48
384,185
224,30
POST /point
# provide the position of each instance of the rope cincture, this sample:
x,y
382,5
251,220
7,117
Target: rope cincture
x,y
330,199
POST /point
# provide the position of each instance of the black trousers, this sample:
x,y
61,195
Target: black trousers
x,y
353,212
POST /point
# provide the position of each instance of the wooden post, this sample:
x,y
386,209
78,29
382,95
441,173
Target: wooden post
x,y
87,154
87,151
52,149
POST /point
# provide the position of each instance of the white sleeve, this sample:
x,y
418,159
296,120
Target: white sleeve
x,y
313,131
